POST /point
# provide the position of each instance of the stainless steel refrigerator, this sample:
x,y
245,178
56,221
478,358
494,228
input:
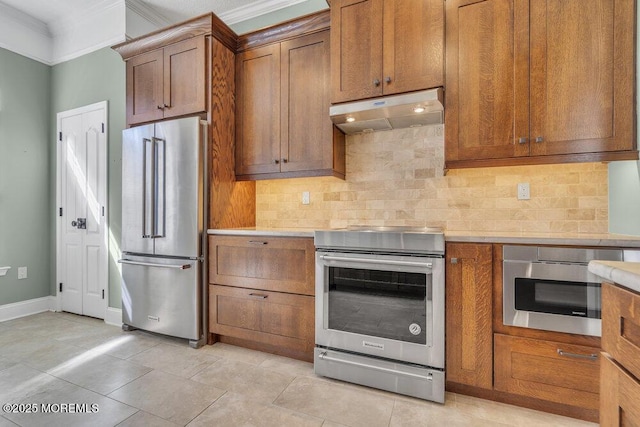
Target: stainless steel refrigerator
x,y
163,237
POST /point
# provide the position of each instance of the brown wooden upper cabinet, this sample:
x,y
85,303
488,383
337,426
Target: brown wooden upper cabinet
x,y
539,81
283,128
383,47
167,82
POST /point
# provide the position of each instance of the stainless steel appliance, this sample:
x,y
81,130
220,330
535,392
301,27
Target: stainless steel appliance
x,y
380,308
421,108
550,288
163,213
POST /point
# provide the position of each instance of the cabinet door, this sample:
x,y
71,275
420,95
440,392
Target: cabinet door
x,y
582,70
307,131
621,326
547,370
184,77
258,111
468,329
413,51
356,49
619,396
283,264
487,109
144,87
274,318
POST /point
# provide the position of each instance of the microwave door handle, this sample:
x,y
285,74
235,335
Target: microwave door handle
x,y
378,261
429,318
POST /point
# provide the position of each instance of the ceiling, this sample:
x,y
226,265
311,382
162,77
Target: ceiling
x,y
50,12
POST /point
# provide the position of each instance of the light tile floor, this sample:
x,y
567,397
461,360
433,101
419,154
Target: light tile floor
x,y
141,379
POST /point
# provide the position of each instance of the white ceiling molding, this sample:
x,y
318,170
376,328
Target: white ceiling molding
x,y
25,35
157,19
253,10
92,29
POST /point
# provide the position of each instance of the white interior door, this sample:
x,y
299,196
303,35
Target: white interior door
x,y
82,230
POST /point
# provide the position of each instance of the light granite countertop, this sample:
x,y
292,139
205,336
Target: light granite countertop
x,y
582,239
626,274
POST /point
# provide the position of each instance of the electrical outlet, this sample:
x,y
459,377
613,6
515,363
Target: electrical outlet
x,y
306,198
22,272
524,192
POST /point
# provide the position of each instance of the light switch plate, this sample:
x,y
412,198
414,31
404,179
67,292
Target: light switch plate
x,y
306,198
22,273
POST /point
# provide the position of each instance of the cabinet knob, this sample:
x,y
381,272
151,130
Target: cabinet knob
x,y
276,161
523,140
160,107
539,139
167,106
388,79
376,82
284,160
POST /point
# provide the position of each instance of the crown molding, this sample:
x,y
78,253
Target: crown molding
x,y
254,10
23,19
150,14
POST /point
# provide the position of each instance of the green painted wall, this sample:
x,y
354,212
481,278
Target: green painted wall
x,y
624,197
92,78
25,199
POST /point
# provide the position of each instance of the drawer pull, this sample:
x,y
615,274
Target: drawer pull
x,y
577,356
262,296
257,242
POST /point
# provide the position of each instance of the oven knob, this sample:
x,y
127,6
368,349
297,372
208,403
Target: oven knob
x,y
415,329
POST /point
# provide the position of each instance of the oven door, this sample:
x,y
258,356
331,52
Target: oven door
x,y
389,306
551,296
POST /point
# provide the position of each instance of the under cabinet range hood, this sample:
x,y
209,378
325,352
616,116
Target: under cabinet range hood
x,y
391,112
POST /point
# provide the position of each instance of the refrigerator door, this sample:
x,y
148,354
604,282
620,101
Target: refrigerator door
x,y
137,189
162,295
179,194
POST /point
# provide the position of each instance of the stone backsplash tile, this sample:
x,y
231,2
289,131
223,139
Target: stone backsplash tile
x,y
397,178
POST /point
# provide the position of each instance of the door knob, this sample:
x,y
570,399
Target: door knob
x,y
74,223
80,223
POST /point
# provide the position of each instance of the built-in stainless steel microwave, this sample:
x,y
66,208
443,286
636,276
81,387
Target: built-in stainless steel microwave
x,y
550,288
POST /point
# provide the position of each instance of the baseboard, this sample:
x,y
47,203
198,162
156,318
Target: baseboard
x,y
27,308
113,316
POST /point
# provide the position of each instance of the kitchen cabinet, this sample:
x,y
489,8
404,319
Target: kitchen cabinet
x,y
283,128
262,291
167,82
620,373
469,333
548,370
383,47
535,81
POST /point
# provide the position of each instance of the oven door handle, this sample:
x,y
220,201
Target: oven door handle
x,y
324,356
378,261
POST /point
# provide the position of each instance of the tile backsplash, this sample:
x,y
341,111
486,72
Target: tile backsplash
x,y
397,178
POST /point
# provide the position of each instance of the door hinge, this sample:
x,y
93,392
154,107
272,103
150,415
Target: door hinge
x,y
103,294
103,128
103,211
60,136
60,287
59,211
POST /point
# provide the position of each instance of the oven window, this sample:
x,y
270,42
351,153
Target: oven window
x,y
581,299
385,304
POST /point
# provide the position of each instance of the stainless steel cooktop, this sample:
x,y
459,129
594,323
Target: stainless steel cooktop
x,y
412,240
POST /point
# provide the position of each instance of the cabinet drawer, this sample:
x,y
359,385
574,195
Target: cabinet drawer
x,y
274,318
281,264
547,370
620,396
621,326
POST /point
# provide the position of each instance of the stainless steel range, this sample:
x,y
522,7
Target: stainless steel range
x,y
380,308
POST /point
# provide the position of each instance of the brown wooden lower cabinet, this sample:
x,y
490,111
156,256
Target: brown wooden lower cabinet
x,y
563,373
619,395
280,320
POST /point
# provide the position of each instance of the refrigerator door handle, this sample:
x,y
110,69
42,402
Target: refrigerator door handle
x,y
153,264
159,187
147,189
